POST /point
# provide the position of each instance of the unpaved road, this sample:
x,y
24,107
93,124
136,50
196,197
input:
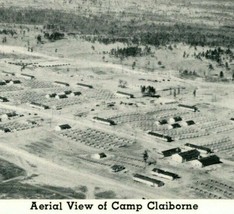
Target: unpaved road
x,y
50,171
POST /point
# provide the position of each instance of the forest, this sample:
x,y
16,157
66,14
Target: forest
x,y
108,29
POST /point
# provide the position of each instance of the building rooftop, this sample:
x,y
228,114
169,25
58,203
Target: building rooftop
x,y
125,93
27,75
190,155
102,155
104,120
61,83
162,122
190,122
61,95
208,150
177,119
160,171
193,107
146,178
176,125
210,160
170,152
85,85
11,114
65,126
168,138
117,168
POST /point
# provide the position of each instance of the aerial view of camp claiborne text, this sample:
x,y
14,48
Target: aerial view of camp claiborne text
x,y
115,205
116,99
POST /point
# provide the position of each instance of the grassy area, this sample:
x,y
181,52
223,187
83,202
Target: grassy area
x,y
18,190
105,195
9,170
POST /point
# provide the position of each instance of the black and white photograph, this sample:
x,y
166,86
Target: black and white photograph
x,y
116,99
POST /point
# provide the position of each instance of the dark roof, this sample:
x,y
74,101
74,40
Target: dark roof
x,y
27,75
177,119
65,126
163,121
175,125
190,122
160,171
210,160
77,93
16,81
62,83
170,152
102,154
5,129
68,92
166,89
190,155
40,105
198,147
104,120
4,99
2,82
117,168
85,85
11,114
125,93
168,138
7,72
153,180
52,95
61,95
188,106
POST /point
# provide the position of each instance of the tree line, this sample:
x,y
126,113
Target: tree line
x,y
216,54
132,51
108,29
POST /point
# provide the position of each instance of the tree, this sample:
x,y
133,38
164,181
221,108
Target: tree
x,y
122,84
221,74
151,90
143,89
174,93
4,40
145,156
211,67
39,39
178,90
133,65
194,92
148,91
227,66
185,72
54,36
170,47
